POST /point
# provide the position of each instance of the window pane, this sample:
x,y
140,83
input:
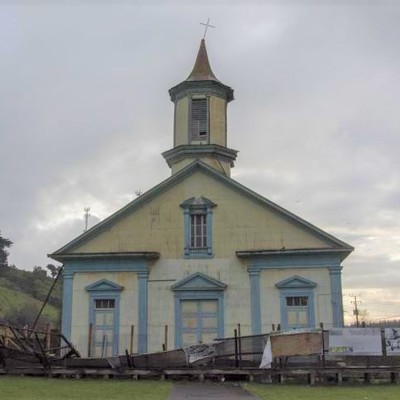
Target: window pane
x,y
104,303
297,301
198,230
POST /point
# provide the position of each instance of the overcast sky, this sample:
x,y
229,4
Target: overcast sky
x,y
85,114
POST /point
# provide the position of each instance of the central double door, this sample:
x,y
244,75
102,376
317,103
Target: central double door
x,y
199,321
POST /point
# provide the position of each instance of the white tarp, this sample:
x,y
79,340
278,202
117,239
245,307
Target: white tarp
x,y
355,341
266,360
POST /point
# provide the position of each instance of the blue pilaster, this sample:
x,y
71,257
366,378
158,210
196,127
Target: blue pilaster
x,y
336,295
143,312
186,216
255,301
209,231
68,279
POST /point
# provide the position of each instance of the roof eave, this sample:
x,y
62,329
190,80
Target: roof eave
x,y
137,255
343,252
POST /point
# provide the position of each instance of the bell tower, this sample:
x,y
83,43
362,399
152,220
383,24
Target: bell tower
x,y
200,119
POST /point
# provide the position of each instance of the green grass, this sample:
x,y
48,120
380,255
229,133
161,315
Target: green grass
x,y
98,389
297,392
14,299
88,389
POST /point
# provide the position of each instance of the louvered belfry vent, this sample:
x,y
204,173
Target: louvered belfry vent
x,y
199,123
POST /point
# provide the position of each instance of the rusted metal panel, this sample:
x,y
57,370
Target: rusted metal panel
x,y
296,344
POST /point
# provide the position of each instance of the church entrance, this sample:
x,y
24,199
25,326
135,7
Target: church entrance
x,y
103,327
199,321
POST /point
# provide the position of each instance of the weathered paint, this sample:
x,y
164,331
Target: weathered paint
x,y
217,121
128,312
221,166
270,295
181,122
239,222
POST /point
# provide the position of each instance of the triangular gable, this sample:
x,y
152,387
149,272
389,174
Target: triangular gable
x,y
104,285
195,166
198,281
295,282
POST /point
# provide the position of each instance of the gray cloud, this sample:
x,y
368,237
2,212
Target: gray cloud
x,y
85,114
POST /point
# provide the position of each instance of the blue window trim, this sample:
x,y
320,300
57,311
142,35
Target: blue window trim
x,y
197,287
284,308
105,289
296,286
331,261
190,206
107,265
188,295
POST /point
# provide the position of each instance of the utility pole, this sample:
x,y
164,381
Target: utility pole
x,y
86,209
356,311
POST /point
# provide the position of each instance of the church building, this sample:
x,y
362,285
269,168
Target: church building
x,y
199,253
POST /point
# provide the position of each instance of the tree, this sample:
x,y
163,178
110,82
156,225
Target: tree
x,y
53,270
4,244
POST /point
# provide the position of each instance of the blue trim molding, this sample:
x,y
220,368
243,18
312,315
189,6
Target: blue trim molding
x,y
255,301
197,286
296,286
140,267
105,289
295,282
199,205
291,260
335,274
66,319
143,310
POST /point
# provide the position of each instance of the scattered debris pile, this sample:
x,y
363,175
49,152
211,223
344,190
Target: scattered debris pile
x,y
24,347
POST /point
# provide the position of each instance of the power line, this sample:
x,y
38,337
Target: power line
x,y
356,311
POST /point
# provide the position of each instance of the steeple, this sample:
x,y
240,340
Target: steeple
x,y
202,70
200,123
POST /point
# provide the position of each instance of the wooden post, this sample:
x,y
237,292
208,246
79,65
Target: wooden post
x,y
394,378
166,338
132,336
236,349
48,337
239,344
311,378
383,340
103,346
6,335
323,344
89,351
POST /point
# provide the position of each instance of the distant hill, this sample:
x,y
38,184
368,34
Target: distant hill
x,y
22,294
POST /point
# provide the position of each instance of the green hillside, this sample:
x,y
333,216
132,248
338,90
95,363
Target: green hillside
x,y
22,294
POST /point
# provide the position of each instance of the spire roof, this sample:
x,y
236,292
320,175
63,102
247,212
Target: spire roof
x,y
202,69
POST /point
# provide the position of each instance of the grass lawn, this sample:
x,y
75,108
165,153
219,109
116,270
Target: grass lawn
x,y
295,392
58,389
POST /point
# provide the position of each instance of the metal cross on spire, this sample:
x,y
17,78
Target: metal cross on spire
x,y
207,25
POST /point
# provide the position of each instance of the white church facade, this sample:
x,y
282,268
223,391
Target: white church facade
x,y
198,253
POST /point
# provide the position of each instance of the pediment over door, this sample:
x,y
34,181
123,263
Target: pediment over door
x,y
198,281
295,282
104,285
